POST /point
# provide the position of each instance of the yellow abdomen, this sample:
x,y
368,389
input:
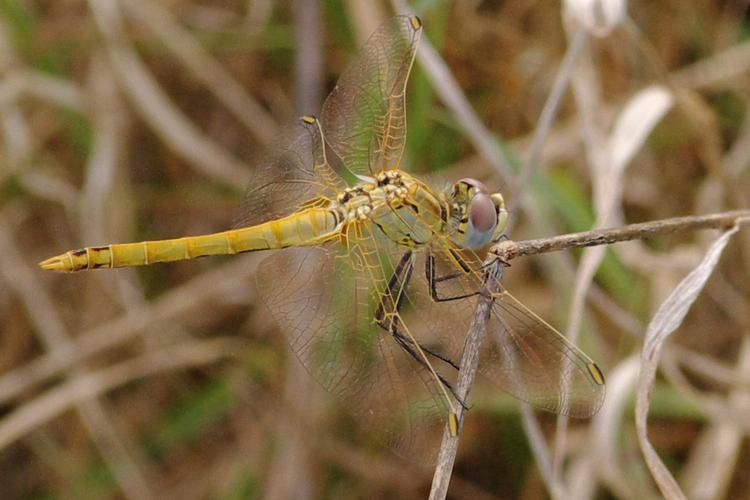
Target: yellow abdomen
x,y
312,226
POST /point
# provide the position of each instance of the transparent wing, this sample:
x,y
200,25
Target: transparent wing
x,y
535,363
337,309
365,115
293,174
522,354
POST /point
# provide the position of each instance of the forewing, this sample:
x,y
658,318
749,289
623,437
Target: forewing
x,y
364,118
535,363
326,302
294,173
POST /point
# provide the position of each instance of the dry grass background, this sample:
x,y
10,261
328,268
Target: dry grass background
x,y
140,119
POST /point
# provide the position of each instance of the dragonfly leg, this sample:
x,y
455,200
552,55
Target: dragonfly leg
x,y
433,280
439,356
386,317
403,341
405,344
396,288
391,326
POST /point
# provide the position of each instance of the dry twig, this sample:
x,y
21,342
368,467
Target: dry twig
x,y
508,250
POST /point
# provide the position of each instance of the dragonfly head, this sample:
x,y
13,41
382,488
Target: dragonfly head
x,y
476,215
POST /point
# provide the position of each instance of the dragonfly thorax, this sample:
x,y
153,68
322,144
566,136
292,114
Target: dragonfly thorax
x,y
401,207
389,188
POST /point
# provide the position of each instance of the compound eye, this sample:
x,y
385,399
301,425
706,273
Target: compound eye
x,y
482,213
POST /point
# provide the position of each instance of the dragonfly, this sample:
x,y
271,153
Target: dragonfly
x,y
374,274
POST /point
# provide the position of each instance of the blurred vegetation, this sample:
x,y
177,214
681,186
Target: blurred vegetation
x,y
212,412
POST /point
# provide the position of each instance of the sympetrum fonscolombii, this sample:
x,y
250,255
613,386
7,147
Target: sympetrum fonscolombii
x,y
392,273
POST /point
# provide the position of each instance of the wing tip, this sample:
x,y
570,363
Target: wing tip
x,y
596,373
416,23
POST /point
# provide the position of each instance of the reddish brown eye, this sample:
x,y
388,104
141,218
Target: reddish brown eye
x,y
482,213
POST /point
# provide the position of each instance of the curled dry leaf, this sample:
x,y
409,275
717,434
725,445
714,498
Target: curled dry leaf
x,y
665,321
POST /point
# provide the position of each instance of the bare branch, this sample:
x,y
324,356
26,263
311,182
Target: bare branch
x,y
466,375
508,250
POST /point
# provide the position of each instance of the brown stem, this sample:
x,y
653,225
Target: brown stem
x,y
508,250
467,373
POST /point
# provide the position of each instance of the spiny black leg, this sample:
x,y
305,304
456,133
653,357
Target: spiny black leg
x,y
396,282
396,287
434,280
439,356
408,348
401,339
